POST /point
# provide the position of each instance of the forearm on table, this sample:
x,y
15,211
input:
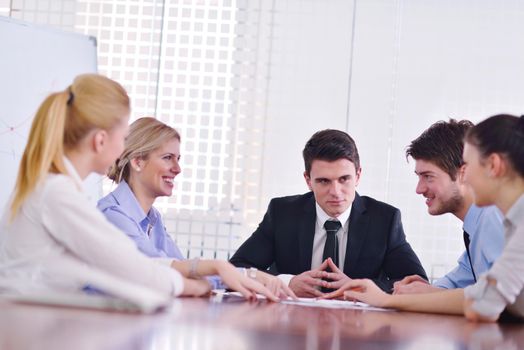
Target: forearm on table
x,y
202,267
442,302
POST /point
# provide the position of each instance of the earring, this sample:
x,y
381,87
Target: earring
x,y
137,168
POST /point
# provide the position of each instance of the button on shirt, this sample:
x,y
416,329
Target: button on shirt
x,y
507,271
147,230
486,233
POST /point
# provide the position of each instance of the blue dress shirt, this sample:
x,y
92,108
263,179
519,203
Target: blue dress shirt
x,y
486,233
122,209
147,230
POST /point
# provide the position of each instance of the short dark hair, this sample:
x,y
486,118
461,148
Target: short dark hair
x,y
442,144
330,145
501,133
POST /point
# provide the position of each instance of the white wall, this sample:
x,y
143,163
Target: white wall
x,y
413,63
308,86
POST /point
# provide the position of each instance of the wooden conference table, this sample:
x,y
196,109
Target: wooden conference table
x,y
234,324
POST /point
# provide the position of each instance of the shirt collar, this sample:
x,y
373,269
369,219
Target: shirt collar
x,y
471,220
322,216
515,214
71,171
129,204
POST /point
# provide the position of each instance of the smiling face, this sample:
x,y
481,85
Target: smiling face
x,y
441,192
333,184
153,177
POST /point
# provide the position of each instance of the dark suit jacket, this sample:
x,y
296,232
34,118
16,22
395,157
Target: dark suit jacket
x,y
376,245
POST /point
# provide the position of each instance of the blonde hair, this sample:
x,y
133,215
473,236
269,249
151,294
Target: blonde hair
x,y
62,120
145,135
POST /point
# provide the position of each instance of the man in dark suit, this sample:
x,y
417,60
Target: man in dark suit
x,y
306,238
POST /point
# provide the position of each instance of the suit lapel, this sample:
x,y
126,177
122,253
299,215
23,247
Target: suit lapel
x,y
306,234
358,223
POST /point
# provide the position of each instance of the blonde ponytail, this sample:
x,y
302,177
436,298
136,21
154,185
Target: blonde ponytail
x,y
63,119
44,150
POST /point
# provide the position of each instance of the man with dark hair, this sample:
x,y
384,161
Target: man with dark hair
x,y
440,169
331,233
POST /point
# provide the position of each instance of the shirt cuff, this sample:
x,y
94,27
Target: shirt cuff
x,y
164,261
487,300
216,282
177,283
286,278
443,282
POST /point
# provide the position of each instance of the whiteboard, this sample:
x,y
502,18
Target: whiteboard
x,y
35,61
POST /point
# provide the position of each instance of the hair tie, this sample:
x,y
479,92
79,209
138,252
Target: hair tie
x,y
71,97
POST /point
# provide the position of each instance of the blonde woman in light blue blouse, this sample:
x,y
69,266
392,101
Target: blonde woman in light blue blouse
x,y
144,171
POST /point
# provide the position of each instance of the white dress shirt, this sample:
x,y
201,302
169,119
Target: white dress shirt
x,y
319,240
508,271
60,241
321,235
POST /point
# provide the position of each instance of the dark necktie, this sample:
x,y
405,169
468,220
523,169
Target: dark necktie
x,y
331,246
466,243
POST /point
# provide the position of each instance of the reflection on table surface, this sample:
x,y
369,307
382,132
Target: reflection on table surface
x,y
231,323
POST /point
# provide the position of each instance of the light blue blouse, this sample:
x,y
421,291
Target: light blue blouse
x,y
147,230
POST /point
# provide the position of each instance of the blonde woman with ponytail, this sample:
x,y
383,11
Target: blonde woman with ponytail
x,y
144,171
51,229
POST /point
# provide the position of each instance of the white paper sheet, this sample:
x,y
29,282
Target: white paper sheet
x,y
312,302
333,304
